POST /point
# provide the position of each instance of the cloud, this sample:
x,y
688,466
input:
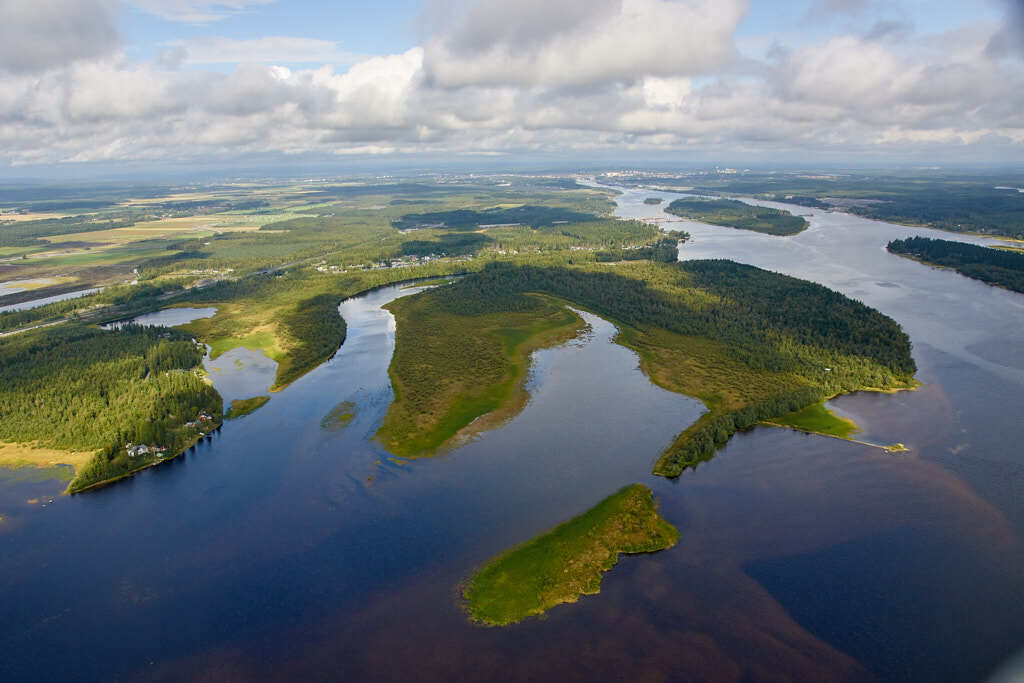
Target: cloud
x,y
484,84
581,42
1010,39
195,11
268,49
43,34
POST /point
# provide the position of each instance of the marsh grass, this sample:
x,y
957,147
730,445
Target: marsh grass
x,y
569,561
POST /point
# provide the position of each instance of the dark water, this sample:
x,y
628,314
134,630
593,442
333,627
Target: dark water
x,y
167,317
282,550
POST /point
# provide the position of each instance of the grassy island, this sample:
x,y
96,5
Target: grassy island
x,y
752,345
568,561
340,417
733,213
818,419
999,267
453,365
243,406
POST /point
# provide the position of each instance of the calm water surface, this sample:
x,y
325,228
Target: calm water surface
x,y
35,303
282,550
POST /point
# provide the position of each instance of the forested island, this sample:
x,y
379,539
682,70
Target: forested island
x,y
736,214
1000,267
568,561
750,344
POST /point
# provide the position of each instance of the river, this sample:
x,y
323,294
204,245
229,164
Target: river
x,y
282,550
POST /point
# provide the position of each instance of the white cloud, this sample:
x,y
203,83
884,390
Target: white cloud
x,y
485,85
582,42
43,34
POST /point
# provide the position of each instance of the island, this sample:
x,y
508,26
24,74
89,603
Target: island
x,y
999,267
569,561
241,407
654,201
751,344
733,213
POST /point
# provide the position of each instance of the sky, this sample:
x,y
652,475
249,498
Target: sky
x,y
91,83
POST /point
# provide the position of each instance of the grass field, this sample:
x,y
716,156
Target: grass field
x,y
568,561
167,228
819,420
17,455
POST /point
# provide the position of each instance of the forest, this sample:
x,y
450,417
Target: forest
x,y
1001,267
86,389
736,214
465,219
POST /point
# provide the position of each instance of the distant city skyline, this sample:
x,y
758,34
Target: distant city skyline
x,y
89,84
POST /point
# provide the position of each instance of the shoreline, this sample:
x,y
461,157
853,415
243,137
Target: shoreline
x,y
131,473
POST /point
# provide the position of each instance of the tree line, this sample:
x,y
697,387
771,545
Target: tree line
x,y
1000,267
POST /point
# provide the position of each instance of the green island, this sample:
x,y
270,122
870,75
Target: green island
x,y
243,406
450,369
653,201
733,213
751,344
569,561
999,267
340,416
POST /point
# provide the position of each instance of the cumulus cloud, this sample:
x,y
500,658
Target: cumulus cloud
x,y
485,84
581,42
43,34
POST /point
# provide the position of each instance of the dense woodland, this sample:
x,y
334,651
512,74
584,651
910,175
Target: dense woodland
x,y
82,388
736,214
1000,267
465,219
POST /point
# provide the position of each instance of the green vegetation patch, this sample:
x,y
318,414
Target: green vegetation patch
x,y
1000,267
819,420
736,214
340,417
653,201
451,367
568,561
244,406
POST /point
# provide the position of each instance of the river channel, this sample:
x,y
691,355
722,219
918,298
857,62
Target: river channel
x,y
285,549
